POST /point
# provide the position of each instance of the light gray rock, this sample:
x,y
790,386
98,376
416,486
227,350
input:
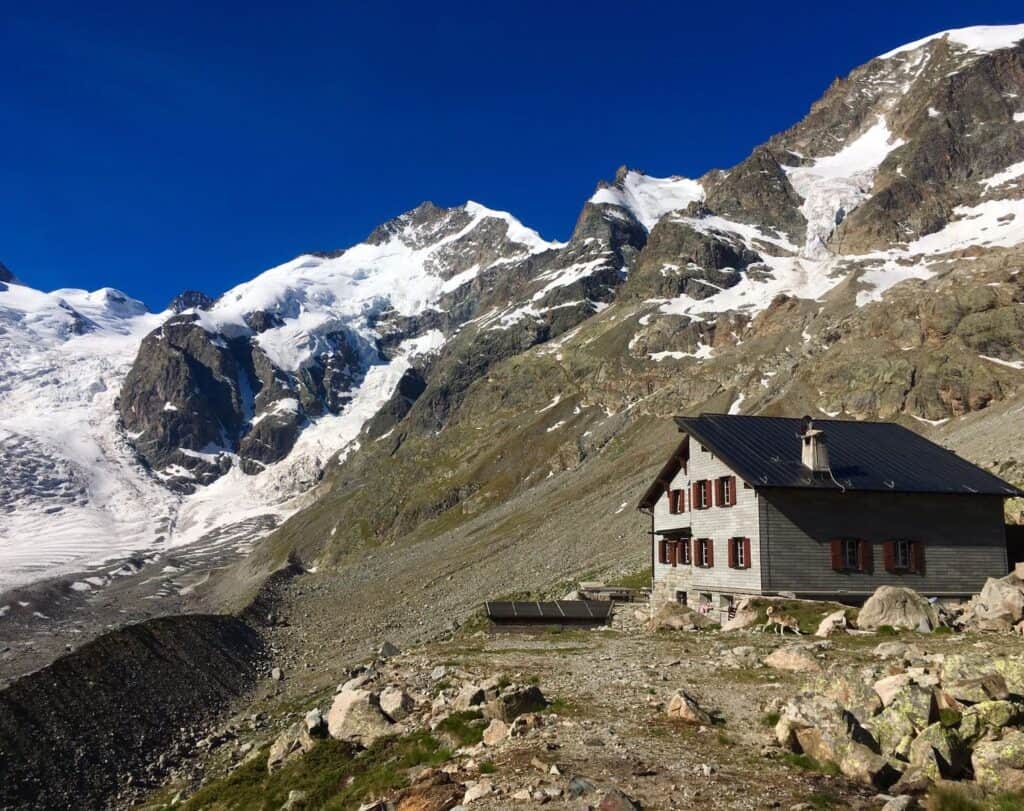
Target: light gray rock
x,y
395,703
356,716
684,707
897,607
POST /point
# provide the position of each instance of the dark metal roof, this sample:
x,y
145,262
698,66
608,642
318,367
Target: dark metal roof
x,y
879,456
556,611
884,456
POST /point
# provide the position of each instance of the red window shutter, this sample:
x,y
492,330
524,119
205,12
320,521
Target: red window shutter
x,y
695,496
672,553
865,556
889,555
732,491
731,552
662,553
711,552
746,552
695,553
917,556
681,504
837,554
668,495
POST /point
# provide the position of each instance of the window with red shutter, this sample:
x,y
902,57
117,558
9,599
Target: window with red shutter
x,y
917,556
684,549
731,553
696,552
662,552
732,491
746,553
837,554
681,504
866,556
695,496
672,553
889,555
711,552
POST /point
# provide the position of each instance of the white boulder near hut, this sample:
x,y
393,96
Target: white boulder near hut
x,y
818,509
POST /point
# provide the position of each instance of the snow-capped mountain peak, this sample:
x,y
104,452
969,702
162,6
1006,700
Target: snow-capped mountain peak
x,y
648,198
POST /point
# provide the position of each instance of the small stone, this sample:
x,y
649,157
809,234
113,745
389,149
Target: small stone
x,y
495,733
579,786
276,674
387,650
477,791
616,800
684,707
792,659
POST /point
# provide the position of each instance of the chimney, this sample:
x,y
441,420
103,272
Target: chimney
x,y
813,451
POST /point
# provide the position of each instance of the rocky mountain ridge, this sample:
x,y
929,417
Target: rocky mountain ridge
x,y
865,262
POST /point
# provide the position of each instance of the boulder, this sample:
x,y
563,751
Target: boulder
x,y
999,606
938,753
495,732
915,703
888,687
821,727
746,616
316,724
860,763
897,607
684,707
981,719
294,742
999,764
1011,668
616,800
836,621
433,791
387,650
470,696
477,791
852,690
395,703
793,659
893,731
675,617
990,687
514,701
356,716
296,799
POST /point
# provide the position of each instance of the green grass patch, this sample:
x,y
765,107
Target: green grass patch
x,y
463,727
487,767
561,706
887,630
809,764
770,719
824,800
951,799
334,776
640,579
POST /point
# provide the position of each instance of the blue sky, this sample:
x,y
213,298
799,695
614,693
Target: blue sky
x,y
153,148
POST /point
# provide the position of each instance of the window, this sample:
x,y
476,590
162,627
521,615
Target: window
x,y
725,491
705,553
851,555
676,502
662,551
701,494
681,597
902,554
684,552
850,560
739,553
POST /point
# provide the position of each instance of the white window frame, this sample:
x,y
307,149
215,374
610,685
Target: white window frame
x,y
726,491
702,545
851,545
903,561
704,488
740,553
